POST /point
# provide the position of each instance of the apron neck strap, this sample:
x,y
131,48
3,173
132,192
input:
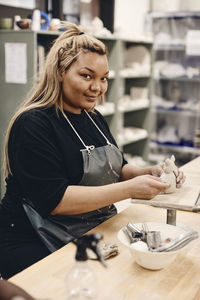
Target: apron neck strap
x,y
91,147
107,141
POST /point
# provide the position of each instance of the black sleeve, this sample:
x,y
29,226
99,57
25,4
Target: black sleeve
x,y
36,162
108,129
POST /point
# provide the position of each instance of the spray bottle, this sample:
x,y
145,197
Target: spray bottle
x,y
81,280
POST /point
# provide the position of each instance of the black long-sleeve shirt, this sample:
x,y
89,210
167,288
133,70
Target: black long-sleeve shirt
x,y
45,158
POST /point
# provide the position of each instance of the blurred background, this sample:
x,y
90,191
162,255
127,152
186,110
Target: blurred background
x,y
153,101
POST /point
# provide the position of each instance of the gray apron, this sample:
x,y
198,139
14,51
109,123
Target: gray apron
x,y
101,166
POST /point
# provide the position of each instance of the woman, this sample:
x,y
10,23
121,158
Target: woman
x,y
61,158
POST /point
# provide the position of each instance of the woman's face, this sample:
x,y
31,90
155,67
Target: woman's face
x,y
84,82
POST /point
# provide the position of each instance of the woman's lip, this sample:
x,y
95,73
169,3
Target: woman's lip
x,y
91,98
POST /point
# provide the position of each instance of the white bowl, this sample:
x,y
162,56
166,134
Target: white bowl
x,y
154,260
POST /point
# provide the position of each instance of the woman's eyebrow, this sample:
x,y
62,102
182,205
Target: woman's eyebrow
x,y
92,71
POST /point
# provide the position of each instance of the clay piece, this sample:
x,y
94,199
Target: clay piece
x,y
168,175
107,251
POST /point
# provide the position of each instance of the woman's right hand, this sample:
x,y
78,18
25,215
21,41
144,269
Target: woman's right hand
x,y
146,187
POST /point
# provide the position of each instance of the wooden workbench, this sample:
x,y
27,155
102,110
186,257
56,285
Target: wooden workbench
x,y
124,279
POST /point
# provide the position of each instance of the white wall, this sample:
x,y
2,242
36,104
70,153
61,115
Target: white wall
x,y
175,5
19,3
130,16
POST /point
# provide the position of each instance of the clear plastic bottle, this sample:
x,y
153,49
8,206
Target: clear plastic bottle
x,y
81,282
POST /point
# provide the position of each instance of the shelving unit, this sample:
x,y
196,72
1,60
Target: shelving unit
x,y
176,91
124,117
135,72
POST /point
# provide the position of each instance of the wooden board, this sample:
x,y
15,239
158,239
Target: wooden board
x,y
184,198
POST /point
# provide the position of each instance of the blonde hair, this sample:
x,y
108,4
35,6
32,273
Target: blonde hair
x,y
47,92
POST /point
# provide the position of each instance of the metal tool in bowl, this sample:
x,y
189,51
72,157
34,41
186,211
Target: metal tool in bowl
x,y
179,242
128,235
136,233
153,239
132,238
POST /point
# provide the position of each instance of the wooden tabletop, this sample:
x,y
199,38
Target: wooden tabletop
x,y
124,279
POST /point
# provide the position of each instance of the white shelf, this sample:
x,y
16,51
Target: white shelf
x,y
136,76
156,158
186,79
128,135
183,112
135,160
139,39
111,37
133,105
166,47
181,149
175,14
106,109
132,73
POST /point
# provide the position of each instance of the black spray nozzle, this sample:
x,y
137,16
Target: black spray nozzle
x,y
89,241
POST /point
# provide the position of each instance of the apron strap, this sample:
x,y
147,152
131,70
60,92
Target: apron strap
x,y
91,147
107,141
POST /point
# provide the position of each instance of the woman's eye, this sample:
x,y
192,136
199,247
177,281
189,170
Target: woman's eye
x,y
86,76
104,79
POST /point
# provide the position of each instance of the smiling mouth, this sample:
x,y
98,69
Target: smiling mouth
x,y
91,98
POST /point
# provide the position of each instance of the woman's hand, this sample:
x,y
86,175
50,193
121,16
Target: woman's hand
x,y
157,170
180,177
146,187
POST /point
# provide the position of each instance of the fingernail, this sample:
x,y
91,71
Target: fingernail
x,y
176,173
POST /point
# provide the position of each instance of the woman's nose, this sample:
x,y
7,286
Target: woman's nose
x,y
95,86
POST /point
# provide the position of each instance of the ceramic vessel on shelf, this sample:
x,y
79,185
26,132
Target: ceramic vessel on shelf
x,y
24,23
6,23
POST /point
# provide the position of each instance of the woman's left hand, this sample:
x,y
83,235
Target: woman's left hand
x,y
180,177
157,170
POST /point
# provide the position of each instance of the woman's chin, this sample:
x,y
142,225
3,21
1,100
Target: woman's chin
x,y
89,106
